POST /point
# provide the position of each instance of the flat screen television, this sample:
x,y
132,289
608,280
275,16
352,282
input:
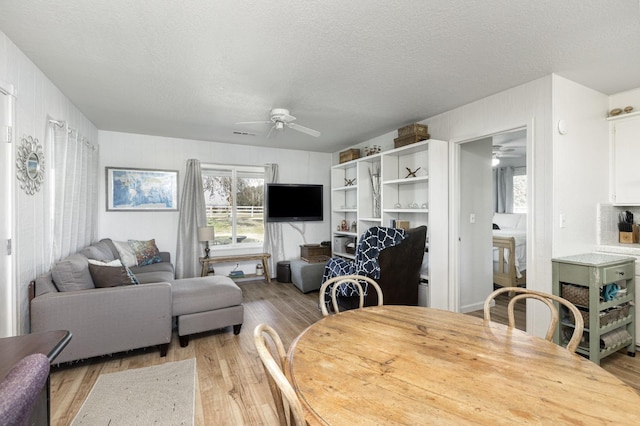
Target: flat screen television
x,y
293,202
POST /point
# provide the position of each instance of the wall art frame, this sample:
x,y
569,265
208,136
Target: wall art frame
x,y
133,189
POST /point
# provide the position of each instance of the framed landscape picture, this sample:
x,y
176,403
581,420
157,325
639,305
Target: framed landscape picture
x,y
141,189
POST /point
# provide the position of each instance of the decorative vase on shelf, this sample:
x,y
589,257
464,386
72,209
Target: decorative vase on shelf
x,y
376,205
374,176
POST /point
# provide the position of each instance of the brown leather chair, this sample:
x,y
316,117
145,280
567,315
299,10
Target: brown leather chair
x,y
399,273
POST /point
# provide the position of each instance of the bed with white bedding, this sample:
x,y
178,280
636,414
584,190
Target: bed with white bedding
x,y
510,249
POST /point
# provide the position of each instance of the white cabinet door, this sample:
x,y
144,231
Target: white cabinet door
x,y
625,159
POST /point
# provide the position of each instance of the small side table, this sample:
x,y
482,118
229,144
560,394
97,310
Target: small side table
x,y
264,257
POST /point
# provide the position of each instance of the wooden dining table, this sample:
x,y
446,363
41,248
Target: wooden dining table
x,y
414,365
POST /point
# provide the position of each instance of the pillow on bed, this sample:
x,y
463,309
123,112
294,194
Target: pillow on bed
x,y
507,220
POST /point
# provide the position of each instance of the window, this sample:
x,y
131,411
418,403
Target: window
x,y
519,192
234,199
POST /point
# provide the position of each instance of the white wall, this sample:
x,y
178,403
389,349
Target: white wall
x,y
625,99
580,166
143,151
36,100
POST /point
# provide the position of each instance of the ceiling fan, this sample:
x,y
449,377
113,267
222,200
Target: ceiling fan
x,y
280,118
500,151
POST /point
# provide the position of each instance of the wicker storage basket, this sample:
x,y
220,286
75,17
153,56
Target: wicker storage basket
x,y
407,140
348,155
614,338
576,294
614,314
414,129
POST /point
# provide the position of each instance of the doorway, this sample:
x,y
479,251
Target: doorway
x,y
474,204
7,288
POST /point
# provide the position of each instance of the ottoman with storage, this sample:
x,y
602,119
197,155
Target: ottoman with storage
x,y
206,303
307,276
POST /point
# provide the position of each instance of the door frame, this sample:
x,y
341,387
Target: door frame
x,y
454,208
8,291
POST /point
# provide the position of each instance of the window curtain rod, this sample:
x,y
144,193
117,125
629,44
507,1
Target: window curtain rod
x,y
63,124
57,123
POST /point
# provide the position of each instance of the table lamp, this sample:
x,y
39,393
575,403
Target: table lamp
x,y
206,234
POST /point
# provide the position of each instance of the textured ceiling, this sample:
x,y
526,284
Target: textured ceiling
x,y
350,69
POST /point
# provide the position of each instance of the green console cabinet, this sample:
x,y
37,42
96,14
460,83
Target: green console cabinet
x,y
602,286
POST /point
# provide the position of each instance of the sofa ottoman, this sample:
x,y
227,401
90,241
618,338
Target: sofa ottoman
x,y
307,276
206,303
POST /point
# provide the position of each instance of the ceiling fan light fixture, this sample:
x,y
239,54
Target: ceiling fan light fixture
x,y
281,118
495,161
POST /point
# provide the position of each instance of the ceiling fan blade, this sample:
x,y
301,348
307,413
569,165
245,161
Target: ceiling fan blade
x,y
270,130
254,122
303,129
515,143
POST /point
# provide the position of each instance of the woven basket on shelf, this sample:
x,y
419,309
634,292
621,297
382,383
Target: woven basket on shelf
x,y
614,314
414,129
578,295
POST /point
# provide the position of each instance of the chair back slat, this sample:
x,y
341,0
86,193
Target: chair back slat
x,y
334,283
286,401
547,299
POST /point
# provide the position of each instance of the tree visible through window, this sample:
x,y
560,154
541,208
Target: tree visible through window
x,y
520,193
234,199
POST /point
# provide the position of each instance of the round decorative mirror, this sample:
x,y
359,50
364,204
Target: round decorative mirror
x,y
30,165
33,166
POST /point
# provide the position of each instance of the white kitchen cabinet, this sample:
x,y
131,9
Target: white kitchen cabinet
x,y
625,154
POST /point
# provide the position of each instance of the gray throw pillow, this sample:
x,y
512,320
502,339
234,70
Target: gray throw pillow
x,y
98,251
127,255
72,273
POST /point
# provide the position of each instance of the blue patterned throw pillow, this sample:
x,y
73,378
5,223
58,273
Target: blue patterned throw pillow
x,y
146,252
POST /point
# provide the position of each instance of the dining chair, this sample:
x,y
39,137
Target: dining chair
x,y
20,388
287,403
547,299
334,283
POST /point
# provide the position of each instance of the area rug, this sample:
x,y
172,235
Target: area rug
x,y
159,395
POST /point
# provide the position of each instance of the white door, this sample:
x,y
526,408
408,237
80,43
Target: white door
x,y
7,293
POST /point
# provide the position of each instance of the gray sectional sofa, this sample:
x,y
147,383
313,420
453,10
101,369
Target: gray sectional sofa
x,y
105,319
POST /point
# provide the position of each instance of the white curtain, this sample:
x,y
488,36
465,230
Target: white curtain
x,y
503,190
74,193
192,216
273,241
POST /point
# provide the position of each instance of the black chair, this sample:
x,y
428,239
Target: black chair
x,y
399,273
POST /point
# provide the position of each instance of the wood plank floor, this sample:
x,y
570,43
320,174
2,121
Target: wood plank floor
x,y
231,387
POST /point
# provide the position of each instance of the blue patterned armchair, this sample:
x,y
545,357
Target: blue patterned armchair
x,y
393,257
